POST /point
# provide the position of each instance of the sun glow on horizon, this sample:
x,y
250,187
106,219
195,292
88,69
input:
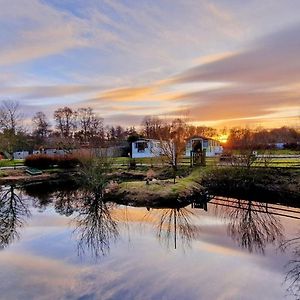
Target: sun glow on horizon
x,y
223,138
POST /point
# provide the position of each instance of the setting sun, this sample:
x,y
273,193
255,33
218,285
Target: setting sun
x,y
222,138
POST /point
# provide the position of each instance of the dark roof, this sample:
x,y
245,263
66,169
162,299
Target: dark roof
x,y
201,137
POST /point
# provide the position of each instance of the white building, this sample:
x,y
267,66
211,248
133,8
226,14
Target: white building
x,y
52,152
146,148
20,154
211,146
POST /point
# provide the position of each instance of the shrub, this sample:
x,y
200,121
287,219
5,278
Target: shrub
x,y
43,161
67,161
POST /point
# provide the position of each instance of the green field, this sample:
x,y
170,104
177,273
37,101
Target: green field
x,y
124,162
11,163
272,152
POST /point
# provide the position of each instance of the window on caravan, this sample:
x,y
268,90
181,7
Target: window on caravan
x,y
141,146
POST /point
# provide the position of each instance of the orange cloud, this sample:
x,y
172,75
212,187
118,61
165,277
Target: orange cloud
x,y
127,94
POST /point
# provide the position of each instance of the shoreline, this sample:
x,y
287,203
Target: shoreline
x,y
242,184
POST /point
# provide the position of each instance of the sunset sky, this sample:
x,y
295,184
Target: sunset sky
x,y
221,63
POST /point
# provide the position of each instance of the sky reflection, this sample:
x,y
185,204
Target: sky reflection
x,y
141,261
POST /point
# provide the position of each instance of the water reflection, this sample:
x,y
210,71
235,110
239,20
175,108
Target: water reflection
x,y
44,194
95,226
251,224
174,224
13,213
98,224
292,278
66,202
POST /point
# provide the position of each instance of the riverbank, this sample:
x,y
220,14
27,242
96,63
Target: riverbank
x,y
133,187
20,177
268,184
156,192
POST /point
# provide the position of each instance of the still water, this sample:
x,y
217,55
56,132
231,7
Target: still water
x,y
70,245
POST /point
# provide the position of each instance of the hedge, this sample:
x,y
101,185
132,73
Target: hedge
x,y
44,161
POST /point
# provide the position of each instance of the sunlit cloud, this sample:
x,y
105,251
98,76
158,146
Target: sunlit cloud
x,y
125,61
126,94
273,59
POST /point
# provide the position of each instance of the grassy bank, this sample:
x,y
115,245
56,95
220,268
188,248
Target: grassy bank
x,y
264,184
11,163
157,191
267,184
131,185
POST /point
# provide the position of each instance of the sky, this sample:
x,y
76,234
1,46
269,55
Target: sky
x,y
219,63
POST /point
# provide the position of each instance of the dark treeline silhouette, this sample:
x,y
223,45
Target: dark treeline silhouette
x,y
83,127
260,138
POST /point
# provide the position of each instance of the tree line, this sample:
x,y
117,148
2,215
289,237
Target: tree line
x,y
71,128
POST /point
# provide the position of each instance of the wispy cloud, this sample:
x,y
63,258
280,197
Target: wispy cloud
x,y
273,59
210,58
42,30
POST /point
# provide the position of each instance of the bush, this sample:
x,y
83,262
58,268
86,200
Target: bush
x,y
255,183
67,161
41,161
44,161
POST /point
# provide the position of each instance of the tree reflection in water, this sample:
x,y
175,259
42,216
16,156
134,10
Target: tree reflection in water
x,y
13,212
66,202
292,278
251,225
95,227
173,224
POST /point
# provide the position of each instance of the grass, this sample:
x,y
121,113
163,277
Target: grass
x,y
163,188
11,163
282,184
3,174
273,152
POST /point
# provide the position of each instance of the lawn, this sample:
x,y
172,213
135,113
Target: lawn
x,y
11,163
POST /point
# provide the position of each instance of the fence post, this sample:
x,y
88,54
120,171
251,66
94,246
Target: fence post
x,y
203,157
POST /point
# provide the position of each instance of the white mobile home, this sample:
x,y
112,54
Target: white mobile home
x,y
20,154
146,148
211,146
52,152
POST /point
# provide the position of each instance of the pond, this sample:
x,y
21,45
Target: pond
x,y
70,245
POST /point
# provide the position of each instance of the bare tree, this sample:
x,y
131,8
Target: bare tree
x,y
10,116
13,135
41,126
172,138
89,124
151,127
65,120
204,131
243,139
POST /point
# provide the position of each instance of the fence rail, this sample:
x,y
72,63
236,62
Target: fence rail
x,y
267,208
